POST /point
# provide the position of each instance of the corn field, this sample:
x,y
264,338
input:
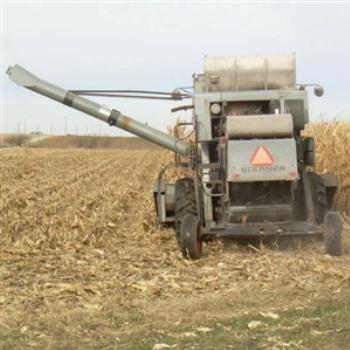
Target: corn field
x,y
78,234
333,156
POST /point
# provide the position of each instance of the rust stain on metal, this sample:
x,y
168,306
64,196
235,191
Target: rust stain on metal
x,y
125,122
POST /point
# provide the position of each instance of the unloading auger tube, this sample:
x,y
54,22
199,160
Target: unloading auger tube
x,y
111,116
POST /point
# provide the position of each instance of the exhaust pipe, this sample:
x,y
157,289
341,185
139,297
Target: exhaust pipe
x,y
111,116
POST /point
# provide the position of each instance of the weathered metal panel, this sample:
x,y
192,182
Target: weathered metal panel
x,y
262,160
201,109
264,95
243,73
295,101
207,200
203,119
261,125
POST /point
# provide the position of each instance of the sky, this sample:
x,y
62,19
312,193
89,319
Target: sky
x,y
158,46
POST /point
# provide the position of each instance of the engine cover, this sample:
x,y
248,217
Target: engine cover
x,y
262,160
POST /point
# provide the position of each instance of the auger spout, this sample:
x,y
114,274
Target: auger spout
x,y
111,116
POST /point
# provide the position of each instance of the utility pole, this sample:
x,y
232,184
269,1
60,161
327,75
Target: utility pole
x,y
65,125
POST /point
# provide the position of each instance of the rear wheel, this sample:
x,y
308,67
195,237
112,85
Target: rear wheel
x,y
332,233
190,240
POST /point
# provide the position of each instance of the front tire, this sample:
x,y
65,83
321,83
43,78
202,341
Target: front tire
x,y
190,239
185,202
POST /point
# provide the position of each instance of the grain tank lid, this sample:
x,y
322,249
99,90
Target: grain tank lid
x,y
241,73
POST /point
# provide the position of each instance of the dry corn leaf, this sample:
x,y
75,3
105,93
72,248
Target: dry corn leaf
x,y
203,329
161,346
255,325
269,314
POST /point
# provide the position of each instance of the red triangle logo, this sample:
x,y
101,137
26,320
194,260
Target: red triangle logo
x,y
261,157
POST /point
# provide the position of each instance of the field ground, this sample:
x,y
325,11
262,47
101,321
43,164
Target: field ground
x,y
83,265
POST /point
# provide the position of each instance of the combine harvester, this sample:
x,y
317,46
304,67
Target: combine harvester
x,y
252,170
